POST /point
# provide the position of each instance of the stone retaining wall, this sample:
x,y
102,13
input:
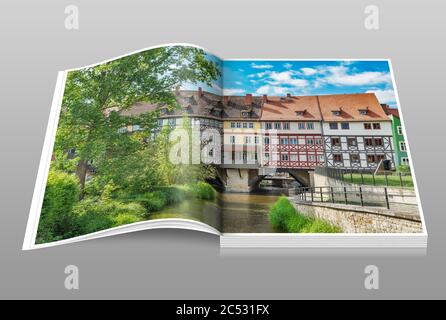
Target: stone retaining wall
x,y
356,219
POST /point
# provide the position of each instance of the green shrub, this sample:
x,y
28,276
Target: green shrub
x,y
297,223
200,190
321,226
97,214
284,217
152,201
173,194
109,191
281,212
57,220
124,218
91,222
107,207
403,168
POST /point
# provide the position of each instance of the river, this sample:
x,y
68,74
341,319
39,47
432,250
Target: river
x,y
229,213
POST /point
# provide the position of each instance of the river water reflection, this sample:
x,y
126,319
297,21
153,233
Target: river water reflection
x,y
229,213
246,213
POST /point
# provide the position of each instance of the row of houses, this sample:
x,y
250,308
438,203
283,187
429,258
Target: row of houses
x,y
351,131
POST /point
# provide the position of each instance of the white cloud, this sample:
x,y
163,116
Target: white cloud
x,y
262,74
286,78
272,90
339,75
239,83
233,92
287,65
308,71
384,96
259,74
261,66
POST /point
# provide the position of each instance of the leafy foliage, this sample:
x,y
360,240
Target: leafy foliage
x,y
281,212
95,98
284,217
128,168
99,214
403,168
56,219
152,201
200,190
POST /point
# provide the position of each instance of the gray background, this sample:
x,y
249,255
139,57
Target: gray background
x,y
181,264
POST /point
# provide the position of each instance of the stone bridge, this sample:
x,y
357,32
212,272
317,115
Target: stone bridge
x,y
246,178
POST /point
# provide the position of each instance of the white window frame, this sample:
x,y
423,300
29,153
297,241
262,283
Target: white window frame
x,y
399,130
401,143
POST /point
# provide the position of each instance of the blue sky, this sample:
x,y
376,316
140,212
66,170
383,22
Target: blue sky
x,y
278,78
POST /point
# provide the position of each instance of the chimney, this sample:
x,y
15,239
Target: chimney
x,y
200,92
248,99
264,98
225,100
288,96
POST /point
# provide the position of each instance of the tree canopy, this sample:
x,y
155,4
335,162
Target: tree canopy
x,y
90,116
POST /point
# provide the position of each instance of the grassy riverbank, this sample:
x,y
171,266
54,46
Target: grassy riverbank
x,y
65,215
380,180
284,217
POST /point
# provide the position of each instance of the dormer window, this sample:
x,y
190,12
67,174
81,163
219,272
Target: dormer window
x,y
363,111
245,114
300,113
336,112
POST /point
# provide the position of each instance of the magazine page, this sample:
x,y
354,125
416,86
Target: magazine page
x,y
316,151
131,145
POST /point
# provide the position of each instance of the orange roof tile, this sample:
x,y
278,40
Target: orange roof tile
x,y
349,106
293,108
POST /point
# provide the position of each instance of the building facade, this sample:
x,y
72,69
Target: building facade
x,y
401,156
241,131
255,134
357,132
292,132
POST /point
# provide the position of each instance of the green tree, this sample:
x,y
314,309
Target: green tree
x,y
57,220
90,115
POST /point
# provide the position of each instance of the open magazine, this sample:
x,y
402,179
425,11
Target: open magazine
x,y
263,153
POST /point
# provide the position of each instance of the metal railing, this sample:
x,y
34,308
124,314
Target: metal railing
x,y
357,196
366,177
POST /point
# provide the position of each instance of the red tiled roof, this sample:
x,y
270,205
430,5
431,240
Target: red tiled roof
x,y
349,106
336,107
291,108
391,111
